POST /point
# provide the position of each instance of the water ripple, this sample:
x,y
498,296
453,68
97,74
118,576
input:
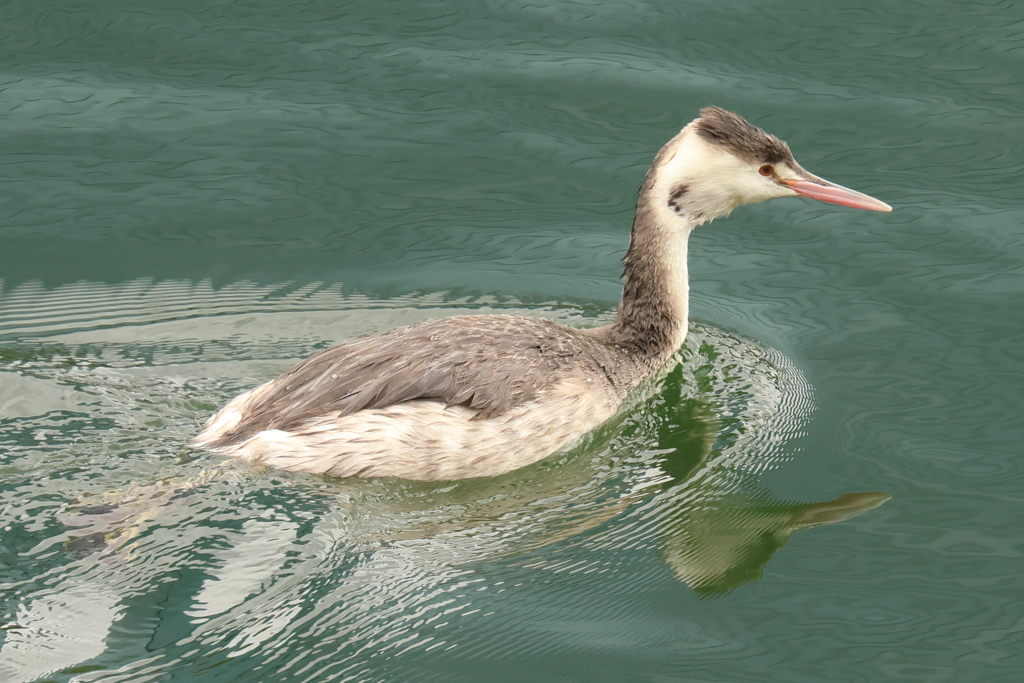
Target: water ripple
x,y
352,577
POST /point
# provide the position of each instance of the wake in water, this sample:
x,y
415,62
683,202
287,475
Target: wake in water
x,y
112,520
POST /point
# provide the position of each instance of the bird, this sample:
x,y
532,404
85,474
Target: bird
x,y
481,395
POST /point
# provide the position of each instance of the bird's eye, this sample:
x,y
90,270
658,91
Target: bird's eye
x,y
766,170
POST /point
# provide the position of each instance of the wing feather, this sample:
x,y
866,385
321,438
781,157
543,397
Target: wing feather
x,y
486,363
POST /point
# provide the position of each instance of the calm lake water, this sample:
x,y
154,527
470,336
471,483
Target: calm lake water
x,y
197,194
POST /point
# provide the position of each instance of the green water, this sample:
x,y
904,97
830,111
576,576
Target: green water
x,y
197,194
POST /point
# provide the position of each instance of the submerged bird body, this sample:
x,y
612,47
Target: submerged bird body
x,y
474,396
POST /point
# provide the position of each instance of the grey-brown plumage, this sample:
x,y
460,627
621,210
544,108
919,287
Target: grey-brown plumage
x,y
488,364
476,396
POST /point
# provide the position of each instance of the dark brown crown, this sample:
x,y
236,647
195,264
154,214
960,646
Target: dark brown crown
x,y
733,133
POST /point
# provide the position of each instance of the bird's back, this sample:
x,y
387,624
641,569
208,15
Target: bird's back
x,y
487,364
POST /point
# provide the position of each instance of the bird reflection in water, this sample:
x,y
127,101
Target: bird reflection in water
x,y
718,527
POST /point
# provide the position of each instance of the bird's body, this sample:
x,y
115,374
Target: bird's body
x,y
459,397
474,396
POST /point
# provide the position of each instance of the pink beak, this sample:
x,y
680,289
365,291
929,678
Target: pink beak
x,y
824,191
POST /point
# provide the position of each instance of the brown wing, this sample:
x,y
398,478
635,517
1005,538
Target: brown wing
x,y
487,363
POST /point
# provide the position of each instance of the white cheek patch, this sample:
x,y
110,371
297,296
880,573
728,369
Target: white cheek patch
x,y
701,182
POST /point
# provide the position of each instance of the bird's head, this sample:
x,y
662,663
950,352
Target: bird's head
x,y
720,161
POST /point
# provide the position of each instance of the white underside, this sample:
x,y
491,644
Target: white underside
x,y
420,439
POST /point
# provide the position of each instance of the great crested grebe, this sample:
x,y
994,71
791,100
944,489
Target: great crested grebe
x,y
479,395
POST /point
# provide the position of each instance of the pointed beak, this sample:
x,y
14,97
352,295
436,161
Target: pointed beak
x,y
824,191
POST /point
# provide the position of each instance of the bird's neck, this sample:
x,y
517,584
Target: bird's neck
x,y
655,297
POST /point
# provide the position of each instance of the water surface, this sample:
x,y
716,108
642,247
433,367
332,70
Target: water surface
x,y
197,194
